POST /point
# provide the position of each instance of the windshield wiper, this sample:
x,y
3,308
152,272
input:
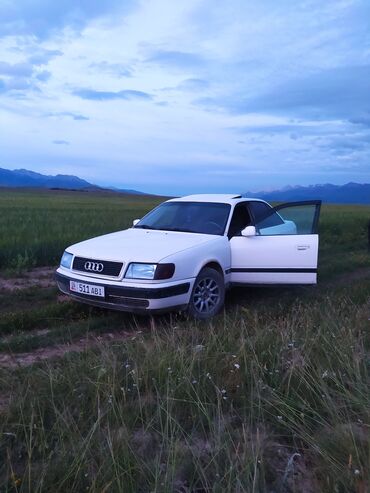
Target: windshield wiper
x,y
181,230
144,226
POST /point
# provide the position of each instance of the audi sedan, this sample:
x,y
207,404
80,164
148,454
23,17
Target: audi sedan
x,y
186,252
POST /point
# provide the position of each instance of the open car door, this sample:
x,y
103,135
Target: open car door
x,y
282,249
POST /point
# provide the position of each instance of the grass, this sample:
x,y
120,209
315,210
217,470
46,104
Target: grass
x,y
40,224
256,401
270,397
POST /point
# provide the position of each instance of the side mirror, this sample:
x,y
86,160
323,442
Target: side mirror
x,y
135,221
249,231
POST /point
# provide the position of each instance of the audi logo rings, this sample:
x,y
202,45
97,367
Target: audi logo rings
x,y
94,266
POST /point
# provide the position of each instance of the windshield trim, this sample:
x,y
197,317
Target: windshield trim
x,y
137,226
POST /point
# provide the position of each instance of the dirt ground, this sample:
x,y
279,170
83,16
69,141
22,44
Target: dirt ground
x,y
14,360
41,276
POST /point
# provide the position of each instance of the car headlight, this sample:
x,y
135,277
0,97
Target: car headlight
x,y
150,271
66,260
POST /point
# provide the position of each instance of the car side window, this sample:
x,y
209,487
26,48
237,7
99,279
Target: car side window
x,y
264,215
240,219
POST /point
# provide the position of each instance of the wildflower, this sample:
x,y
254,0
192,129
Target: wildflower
x,y
325,374
224,398
194,381
198,348
237,366
356,472
16,481
280,418
223,391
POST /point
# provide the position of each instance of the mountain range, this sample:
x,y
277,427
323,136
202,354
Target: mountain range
x,y
351,193
18,178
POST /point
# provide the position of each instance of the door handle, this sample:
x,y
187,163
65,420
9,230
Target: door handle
x,y
303,247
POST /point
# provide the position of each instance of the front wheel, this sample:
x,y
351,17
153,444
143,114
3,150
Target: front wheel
x,y
208,295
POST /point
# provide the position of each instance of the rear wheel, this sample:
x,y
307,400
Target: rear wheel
x,y
208,295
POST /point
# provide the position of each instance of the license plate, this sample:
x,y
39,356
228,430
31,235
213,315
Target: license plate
x,y
89,289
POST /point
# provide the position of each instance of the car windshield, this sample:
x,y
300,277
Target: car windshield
x,y
189,217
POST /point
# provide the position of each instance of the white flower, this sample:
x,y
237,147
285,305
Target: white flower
x,y
194,381
237,366
223,391
280,418
198,348
325,374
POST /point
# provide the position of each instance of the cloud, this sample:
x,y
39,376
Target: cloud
x,y
127,95
68,114
61,142
15,86
333,93
117,69
42,18
193,85
25,75
363,119
43,56
43,76
16,69
282,88
177,59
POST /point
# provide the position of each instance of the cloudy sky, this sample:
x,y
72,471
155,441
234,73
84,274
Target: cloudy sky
x,y
187,96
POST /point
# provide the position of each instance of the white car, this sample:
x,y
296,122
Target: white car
x,y
184,254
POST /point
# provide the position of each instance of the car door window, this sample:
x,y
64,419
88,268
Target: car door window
x,y
264,215
240,219
297,218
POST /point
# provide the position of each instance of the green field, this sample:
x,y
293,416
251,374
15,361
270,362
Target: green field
x,y
37,225
272,396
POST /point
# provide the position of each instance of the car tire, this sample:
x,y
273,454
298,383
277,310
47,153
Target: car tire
x,y
208,294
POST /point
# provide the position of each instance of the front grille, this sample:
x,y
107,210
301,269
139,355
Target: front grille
x,y
130,302
97,267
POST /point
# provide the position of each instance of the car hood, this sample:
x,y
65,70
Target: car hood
x,y
138,245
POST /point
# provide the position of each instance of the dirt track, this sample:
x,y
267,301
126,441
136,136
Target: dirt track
x,y
10,360
43,277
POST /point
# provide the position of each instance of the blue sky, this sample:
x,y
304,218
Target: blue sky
x,y
188,96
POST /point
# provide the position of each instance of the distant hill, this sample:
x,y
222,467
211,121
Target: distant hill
x,y
351,193
25,178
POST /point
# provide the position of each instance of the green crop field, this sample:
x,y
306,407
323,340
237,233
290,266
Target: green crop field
x,y
272,396
37,225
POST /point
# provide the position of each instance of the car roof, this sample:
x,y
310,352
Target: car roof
x,y
222,198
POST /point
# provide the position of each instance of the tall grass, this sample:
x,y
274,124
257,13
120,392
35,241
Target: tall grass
x,y
257,401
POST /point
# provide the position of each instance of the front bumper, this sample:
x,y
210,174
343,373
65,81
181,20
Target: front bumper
x,y
137,299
